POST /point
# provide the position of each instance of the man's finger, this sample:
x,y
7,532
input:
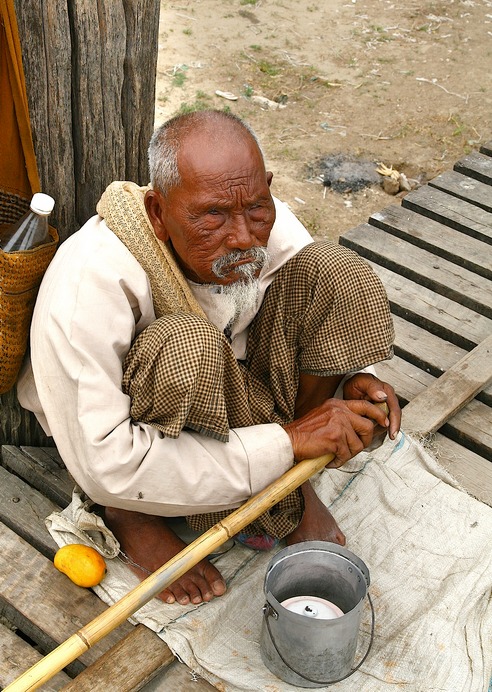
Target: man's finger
x,y
376,413
357,435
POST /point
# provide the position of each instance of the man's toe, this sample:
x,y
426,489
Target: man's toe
x,y
219,587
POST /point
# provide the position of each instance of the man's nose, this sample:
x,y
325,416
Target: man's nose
x,y
239,235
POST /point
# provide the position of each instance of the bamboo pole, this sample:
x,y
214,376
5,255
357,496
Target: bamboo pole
x,y
107,621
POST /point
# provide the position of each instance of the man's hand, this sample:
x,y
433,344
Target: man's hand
x,y
341,427
365,386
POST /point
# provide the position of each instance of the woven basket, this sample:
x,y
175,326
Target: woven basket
x,y
20,277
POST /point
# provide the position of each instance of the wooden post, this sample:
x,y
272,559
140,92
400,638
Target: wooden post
x,y
90,69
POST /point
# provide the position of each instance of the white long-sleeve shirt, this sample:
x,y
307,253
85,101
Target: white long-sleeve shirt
x,y
94,300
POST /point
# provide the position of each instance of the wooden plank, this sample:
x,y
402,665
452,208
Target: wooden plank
x,y
464,187
24,510
476,165
423,267
17,425
429,352
17,655
433,312
43,469
473,472
486,148
407,379
450,392
435,237
179,678
127,666
45,604
451,211
472,426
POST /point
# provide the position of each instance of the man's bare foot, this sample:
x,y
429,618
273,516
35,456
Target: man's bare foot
x,y
317,523
149,543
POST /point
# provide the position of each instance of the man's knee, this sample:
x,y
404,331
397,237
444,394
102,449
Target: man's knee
x,y
180,333
336,270
173,348
323,258
173,375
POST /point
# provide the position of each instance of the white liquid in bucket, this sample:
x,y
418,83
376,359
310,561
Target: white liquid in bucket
x,y
313,607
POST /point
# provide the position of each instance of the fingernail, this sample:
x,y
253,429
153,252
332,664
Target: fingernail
x,y
170,599
382,395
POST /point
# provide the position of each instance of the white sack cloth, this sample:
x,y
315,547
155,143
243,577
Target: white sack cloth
x,y
428,547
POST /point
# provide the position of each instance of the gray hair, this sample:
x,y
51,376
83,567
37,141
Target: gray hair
x,y
165,142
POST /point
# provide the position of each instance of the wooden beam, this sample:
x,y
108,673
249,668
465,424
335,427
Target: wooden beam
x,y
425,268
473,472
128,665
464,187
453,212
429,410
435,237
486,148
477,165
23,509
40,468
429,352
471,426
16,655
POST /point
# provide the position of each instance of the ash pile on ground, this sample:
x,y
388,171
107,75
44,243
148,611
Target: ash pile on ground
x,y
343,173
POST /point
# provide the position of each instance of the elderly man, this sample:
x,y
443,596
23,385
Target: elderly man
x,y
187,345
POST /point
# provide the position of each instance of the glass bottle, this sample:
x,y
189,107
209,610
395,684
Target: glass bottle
x,y
31,229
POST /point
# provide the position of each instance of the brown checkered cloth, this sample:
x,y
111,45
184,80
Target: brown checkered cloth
x,y
326,313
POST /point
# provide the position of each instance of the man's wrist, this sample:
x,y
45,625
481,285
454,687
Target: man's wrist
x,y
269,452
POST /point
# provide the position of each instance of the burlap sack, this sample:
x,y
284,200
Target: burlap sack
x,y
20,277
426,543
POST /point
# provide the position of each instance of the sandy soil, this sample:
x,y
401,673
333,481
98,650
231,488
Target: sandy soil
x,y
401,82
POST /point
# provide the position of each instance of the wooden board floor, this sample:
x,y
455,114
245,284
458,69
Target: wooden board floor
x,y
39,607
433,253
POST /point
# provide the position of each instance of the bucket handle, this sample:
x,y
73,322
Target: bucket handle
x,y
268,612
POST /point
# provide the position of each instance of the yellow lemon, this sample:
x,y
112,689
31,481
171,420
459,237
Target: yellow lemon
x,y
81,563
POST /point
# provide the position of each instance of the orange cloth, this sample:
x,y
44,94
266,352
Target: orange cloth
x,y
18,169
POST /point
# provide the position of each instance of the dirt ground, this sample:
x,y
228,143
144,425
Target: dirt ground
x,y
405,83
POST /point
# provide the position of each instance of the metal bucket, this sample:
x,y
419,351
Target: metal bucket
x,y
310,651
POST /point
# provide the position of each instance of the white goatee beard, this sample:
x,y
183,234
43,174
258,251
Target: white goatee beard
x,y
241,296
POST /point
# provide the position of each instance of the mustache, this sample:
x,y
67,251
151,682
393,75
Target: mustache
x,y
257,258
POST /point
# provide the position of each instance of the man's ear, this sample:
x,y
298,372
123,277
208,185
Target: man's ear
x,y
269,176
154,206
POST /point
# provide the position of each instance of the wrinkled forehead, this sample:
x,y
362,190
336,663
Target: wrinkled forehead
x,y
218,151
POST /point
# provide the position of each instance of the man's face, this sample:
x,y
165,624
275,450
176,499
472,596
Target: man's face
x,y
223,205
